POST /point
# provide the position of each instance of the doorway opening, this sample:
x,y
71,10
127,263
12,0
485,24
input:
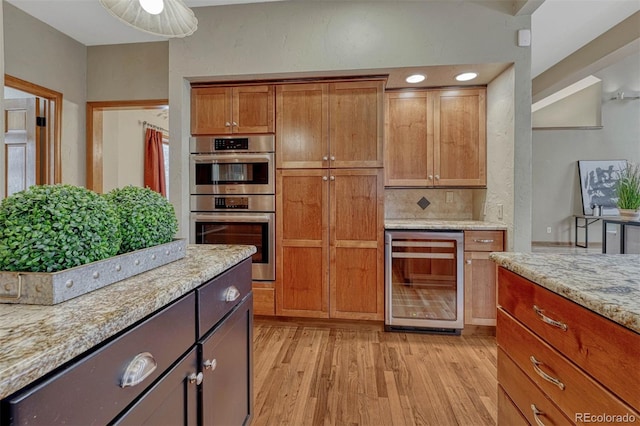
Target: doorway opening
x,y
115,141
33,123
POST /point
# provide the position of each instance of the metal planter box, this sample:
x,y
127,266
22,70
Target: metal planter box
x,y
50,288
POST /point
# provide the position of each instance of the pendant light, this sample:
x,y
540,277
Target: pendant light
x,y
166,18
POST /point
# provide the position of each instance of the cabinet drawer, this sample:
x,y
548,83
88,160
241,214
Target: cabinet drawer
x,y
605,350
218,297
483,240
89,390
574,392
526,395
508,413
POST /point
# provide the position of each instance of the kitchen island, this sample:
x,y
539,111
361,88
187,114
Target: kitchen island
x,y
568,333
37,342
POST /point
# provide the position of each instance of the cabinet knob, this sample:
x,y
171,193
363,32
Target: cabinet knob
x,y
210,364
333,158
234,124
468,261
430,177
332,178
140,367
325,158
325,178
227,124
195,378
437,177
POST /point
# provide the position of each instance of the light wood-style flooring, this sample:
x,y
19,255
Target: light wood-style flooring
x,y
320,373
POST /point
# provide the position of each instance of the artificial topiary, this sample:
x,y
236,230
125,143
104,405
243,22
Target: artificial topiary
x,y
146,217
48,228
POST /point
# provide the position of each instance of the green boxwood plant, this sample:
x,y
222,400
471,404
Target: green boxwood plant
x,y
48,228
146,217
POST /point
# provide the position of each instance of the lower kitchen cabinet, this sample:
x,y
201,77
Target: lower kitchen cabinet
x,y
330,244
560,363
192,361
481,276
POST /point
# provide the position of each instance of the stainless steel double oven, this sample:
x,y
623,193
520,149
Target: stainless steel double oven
x,y
232,201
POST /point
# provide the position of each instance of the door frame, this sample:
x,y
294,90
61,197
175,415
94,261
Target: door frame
x,y
95,140
51,171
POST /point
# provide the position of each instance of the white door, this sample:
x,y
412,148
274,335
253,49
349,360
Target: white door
x,y
20,144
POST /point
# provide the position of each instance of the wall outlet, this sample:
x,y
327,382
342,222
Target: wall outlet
x,y
548,229
449,197
500,211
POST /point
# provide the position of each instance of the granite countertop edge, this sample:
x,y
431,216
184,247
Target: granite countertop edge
x,y
443,224
607,284
36,339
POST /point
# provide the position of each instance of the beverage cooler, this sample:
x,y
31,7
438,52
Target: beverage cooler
x,y
424,281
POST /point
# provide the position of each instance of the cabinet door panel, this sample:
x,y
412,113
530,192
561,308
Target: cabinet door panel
x,y
356,241
480,286
253,109
227,391
210,110
460,135
302,246
355,113
409,139
302,120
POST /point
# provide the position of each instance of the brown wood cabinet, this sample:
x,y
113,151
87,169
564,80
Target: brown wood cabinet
x,y
330,248
560,362
336,125
436,138
481,276
232,109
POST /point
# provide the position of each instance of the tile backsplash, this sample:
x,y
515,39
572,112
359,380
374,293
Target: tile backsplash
x,y
408,203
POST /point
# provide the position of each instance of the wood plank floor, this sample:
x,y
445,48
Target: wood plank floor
x,y
315,373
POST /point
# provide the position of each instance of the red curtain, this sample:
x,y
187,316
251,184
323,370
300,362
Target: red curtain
x,y
154,162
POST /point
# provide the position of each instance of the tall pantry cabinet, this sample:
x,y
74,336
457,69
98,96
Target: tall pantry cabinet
x,y
329,199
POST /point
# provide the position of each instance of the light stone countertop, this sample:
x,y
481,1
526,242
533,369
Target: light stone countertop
x,y
35,339
442,224
607,284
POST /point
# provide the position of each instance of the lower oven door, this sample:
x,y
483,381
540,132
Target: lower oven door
x,y
256,229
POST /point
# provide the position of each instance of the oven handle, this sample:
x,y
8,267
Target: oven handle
x,y
231,158
235,217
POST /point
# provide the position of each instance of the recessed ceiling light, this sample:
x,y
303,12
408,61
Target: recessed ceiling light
x,y
466,76
415,78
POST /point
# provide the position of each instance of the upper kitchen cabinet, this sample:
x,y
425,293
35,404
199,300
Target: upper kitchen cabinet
x,y
436,138
302,120
337,125
226,110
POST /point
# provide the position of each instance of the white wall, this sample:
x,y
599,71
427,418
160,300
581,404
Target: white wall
x,y
123,145
39,54
556,188
312,38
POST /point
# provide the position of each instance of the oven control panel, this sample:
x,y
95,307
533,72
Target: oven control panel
x,y
231,144
232,203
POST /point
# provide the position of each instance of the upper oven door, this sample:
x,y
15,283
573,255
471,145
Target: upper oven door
x,y
232,173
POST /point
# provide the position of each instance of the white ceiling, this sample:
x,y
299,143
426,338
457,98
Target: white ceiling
x,y
559,27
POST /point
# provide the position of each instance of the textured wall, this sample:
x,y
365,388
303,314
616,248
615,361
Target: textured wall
x,y
39,54
319,38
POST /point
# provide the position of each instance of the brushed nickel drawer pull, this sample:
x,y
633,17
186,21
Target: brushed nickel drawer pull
x,y
537,413
548,320
140,367
231,294
548,378
483,241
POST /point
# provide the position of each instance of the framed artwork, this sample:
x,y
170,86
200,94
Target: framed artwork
x,y
597,184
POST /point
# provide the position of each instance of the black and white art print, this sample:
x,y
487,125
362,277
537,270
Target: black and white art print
x,y
597,184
